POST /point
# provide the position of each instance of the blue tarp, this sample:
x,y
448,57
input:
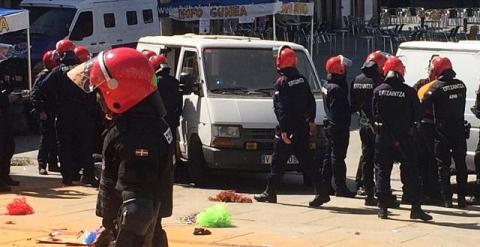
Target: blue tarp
x,y
5,12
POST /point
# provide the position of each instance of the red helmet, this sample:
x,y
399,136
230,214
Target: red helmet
x,y
82,53
124,77
158,61
64,45
335,65
286,58
439,65
148,53
379,58
394,63
50,59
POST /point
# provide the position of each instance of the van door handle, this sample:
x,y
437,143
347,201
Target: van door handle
x,y
93,43
102,43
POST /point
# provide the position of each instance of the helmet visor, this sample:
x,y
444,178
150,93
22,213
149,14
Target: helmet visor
x,y
81,75
345,61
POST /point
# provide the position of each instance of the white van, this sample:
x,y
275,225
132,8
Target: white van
x,y
96,24
228,120
465,57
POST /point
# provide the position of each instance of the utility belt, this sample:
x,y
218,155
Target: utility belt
x,y
441,124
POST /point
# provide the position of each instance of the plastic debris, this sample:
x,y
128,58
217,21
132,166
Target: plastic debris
x,y
189,219
19,206
230,196
216,216
201,231
90,237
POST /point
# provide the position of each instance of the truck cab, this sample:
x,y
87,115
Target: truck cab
x,y
228,120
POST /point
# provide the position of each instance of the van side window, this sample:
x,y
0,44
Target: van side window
x,y
147,16
132,18
83,27
109,20
190,65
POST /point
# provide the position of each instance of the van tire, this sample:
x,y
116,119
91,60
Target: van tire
x,y
197,168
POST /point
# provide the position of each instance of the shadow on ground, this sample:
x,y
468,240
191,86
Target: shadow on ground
x,y
45,187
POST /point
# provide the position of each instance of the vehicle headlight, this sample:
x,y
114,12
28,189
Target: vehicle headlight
x,y
226,131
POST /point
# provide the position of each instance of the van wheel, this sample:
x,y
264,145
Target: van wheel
x,y
197,168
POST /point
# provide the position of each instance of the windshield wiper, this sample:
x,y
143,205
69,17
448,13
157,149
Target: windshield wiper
x,y
267,91
229,90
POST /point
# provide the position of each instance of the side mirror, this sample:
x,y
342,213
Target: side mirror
x,y
189,85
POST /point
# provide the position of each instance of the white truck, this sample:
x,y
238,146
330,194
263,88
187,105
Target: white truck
x,y
228,120
465,57
96,24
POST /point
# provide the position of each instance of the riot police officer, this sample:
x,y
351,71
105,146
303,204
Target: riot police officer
x,y
7,140
337,124
136,147
361,101
172,98
448,97
76,113
44,106
295,110
425,142
395,110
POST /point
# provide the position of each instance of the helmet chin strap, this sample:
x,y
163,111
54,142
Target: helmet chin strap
x,y
112,83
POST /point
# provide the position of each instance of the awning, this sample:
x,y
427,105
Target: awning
x,y
194,10
12,20
292,7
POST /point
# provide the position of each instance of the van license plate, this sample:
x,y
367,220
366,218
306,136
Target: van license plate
x,y
267,160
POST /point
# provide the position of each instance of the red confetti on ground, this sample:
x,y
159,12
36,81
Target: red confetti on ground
x,y
230,196
19,206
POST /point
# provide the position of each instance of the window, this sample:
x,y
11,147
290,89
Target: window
x,y
83,27
147,16
109,20
132,18
190,66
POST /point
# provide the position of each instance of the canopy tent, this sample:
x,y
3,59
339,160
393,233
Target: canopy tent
x,y
12,20
198,10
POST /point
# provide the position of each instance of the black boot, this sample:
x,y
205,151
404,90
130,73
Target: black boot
x,y
42,171
473,200
371,201
461,202
266,197
319,201
391,202
4,188
383,213
270,194
343,191
418,213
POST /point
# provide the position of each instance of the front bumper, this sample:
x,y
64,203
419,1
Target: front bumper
x,y
238,159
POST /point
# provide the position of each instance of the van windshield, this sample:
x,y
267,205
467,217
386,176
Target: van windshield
x,y
50,21
248,71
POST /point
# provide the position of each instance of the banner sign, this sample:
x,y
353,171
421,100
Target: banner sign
x,y
296,8
194,13
13,20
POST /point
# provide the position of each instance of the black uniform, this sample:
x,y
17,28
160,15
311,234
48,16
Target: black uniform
x,y
172,98
425,144
361,95
42,103
447,95
294,107
76,112
337,108
7,140
136,156
396,108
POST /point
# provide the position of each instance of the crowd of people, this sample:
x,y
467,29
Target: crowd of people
x,y
128,101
